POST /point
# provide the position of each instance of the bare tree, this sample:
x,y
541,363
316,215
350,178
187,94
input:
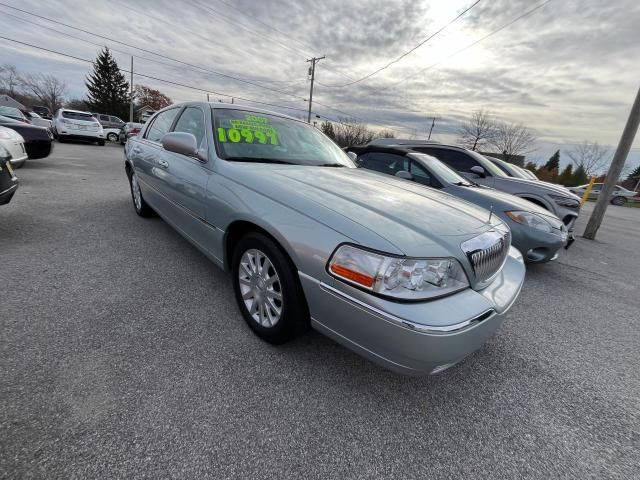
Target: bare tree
x,y
475,133
385,134
590,156
46,88
9,79
512,139
349,132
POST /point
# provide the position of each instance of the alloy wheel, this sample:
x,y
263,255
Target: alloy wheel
x,y
135,190
260,288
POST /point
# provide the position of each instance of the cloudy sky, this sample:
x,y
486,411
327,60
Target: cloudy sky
x,y
569,70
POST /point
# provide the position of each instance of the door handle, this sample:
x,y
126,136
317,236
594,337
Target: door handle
x,y
136,150
163,163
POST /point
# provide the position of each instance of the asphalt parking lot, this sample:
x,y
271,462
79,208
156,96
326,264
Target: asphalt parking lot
x,y
124,356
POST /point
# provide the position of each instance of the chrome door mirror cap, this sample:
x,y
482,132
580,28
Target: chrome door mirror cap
x,y
478,170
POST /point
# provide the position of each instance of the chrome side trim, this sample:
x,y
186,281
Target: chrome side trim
x,y
413,326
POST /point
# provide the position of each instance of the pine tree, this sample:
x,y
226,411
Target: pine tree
x,y
635,174
108,89
554,162
579,177
566,177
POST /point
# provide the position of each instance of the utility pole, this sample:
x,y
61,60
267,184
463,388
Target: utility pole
x,y
615,169
433,124
131,93
312,72
208,98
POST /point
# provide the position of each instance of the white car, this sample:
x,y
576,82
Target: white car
x,y
619,196
14,143
111,134
37,120
77,125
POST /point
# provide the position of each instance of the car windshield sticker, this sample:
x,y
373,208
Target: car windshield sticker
x,y
251,129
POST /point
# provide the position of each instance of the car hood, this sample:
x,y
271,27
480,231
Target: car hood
x,y
408,216
500,201
552,187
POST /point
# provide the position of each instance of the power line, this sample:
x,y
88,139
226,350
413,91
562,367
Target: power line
x,y
397,59
231,77
183,85
473,44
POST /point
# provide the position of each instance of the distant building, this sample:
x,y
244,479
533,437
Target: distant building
x,y
144,112
515,159
7,101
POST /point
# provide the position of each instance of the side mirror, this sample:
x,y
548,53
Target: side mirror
x,y
404,174
182,143
478,171
352,156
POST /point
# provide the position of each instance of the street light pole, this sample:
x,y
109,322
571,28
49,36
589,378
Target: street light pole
x,y
615,170
312,72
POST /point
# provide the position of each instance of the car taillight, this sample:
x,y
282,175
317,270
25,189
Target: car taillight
x,y
133,132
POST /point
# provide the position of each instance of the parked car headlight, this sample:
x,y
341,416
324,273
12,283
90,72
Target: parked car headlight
x,y
565,201
402,278
534,220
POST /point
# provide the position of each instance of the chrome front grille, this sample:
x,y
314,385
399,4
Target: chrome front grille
x,y
487,253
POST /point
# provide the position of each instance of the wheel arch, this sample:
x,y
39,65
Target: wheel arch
x,y
238,228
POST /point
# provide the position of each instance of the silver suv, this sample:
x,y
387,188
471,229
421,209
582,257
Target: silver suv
x,y
478,169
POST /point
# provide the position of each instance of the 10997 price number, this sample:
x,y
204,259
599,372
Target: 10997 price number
x,y
245,135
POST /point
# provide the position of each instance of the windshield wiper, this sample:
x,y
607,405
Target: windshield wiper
x,y
330,165
257,160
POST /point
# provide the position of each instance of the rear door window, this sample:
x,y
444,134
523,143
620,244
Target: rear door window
x,y
161,125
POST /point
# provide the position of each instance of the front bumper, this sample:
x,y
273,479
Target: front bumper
x,y
535,245
414,338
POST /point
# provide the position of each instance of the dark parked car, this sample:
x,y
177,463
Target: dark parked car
x,y
129,129
38,141
8,181
44,112
14,114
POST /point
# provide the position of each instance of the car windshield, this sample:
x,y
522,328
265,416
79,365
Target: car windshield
x,y
79,116
487,164
243,135
4,119
11,112
444,173
510,169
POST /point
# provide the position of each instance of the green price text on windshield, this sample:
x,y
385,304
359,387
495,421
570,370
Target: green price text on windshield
x,y
248,135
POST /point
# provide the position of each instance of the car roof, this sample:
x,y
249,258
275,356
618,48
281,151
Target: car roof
x,y
400,141
75,111
398,150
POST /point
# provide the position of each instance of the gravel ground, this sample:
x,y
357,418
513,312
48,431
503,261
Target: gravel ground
x,y
124,356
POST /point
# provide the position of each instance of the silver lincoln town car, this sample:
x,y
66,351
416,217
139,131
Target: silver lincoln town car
x,y
411,278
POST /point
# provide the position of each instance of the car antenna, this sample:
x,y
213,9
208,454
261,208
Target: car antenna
x,y
490,213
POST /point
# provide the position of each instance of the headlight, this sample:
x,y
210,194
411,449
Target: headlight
x,y
565,201
534,220
398,277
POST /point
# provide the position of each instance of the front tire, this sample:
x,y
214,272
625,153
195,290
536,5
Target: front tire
x,y
268,290
618,201
141,207
112,137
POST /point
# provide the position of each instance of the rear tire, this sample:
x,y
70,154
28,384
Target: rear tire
x,y
112,137
268,290
141,207
618,201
